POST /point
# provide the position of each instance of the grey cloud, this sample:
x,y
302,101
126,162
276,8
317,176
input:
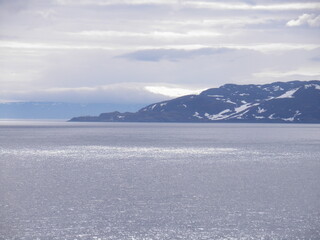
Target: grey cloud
x,y
155,55
14,5
316,59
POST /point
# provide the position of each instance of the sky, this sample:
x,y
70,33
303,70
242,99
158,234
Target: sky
x,y
143,51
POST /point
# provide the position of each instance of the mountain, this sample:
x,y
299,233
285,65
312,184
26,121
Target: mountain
x,y
295,102
57,110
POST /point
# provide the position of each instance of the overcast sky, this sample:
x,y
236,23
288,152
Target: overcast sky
x,y
142,51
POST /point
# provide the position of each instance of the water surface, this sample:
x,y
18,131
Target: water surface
x,y
159,181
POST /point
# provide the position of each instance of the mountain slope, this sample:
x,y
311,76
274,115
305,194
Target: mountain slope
x,y
295,101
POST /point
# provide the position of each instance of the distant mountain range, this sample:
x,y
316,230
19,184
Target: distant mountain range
x,y
57,110
295,102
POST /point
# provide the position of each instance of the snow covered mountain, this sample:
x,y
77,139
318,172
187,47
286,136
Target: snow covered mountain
x,y
295,101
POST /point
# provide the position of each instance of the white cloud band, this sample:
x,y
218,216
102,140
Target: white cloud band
x,y
199,4
311,20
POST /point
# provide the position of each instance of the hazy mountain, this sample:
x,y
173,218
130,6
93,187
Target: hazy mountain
x,y
57,110
296,101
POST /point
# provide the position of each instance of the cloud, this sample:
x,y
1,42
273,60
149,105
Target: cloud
x,y
133,93
311,20
154,55
172,91
50,46
223,22
316,59
218,5
115,2
153,34
307,72
253,7
130,93
157,52
95,76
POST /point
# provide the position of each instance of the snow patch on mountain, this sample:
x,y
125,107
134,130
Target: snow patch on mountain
x,y
216,96
229,101
218,116
291,119
316,86
277,88
271,116
197,115
240,116
244,107
261,110
163,104
288,94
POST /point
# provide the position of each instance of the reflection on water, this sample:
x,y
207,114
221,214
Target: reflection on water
x,y
159,181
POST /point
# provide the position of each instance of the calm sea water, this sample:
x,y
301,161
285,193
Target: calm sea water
x,y
159,181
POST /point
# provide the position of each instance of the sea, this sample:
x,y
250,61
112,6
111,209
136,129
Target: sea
x,y
159,181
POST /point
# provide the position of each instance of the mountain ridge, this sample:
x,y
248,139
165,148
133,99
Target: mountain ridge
x,y
294,101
